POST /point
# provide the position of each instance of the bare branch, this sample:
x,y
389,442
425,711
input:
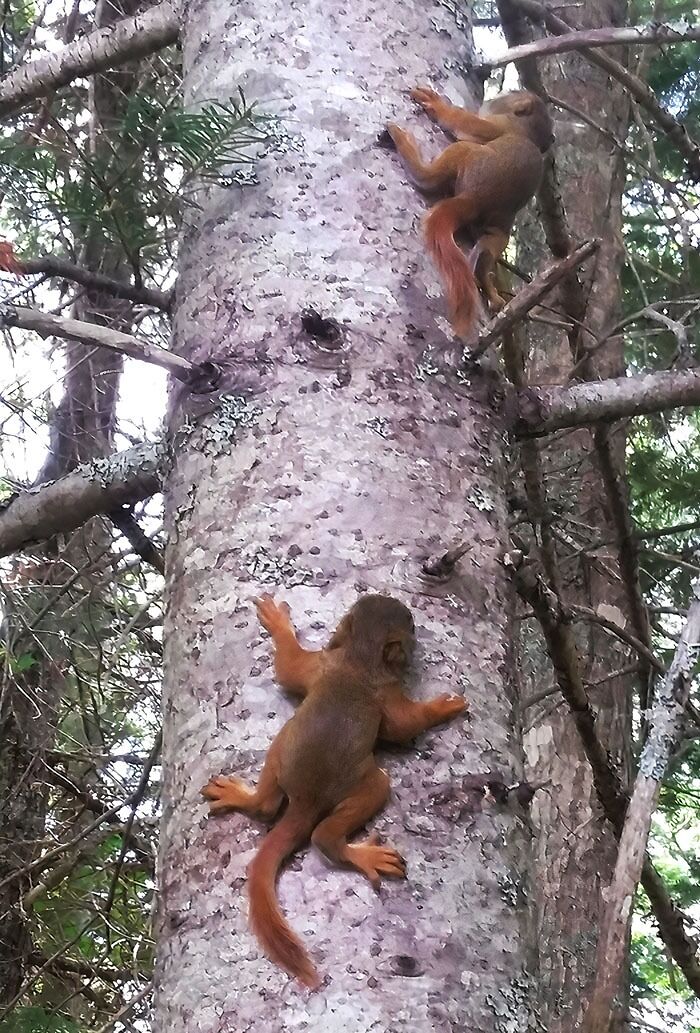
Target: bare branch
x,y
613,36
97,281
546,409
593,617
556,628
126,1009
530,295
551,206
663,738
628,552
129,39
125,521
99,487
638,89
101,336
661,532
136,798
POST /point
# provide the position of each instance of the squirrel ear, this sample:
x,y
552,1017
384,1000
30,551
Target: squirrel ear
x,y
394,654
523,106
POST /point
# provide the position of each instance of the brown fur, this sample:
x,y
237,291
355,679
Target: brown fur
x,y
322,761
493,171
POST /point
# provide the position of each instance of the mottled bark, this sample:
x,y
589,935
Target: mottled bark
x,y
339,458
576,847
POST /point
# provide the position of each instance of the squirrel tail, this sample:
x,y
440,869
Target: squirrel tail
x,y
441,224
279,942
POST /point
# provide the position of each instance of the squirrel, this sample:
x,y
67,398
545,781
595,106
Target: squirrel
x,y
491,173
322,761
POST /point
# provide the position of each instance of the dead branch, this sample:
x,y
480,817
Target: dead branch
x,y
606,780
662,532
664,736
43,862
641,648
125,521
517,31
126,1009
655,34
98,487
129,39
530,295
635,86
83,968
546,409
93,334
29,983
628,555
59,267
136,798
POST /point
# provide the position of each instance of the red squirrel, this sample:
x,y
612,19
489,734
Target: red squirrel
x,y
490,174
322,761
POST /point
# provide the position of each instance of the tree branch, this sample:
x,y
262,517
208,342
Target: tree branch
x,y
638,89
98,487
613,36
129,39
542,410
554,222
663,738
101,336
628,554
561,647
662,532
125,521
530,295
97,281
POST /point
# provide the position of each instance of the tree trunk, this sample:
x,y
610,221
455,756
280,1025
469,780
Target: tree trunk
x,y
575,847
81,429
335,461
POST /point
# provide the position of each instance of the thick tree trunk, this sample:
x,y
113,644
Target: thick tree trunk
x,y
576,849
81,430
338,461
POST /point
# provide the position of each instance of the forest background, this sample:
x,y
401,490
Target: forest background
x,y
101,166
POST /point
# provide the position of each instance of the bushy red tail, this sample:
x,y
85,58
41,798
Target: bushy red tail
x,y
278,941
441,224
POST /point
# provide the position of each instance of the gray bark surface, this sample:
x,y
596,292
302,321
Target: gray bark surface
x,y
329,468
